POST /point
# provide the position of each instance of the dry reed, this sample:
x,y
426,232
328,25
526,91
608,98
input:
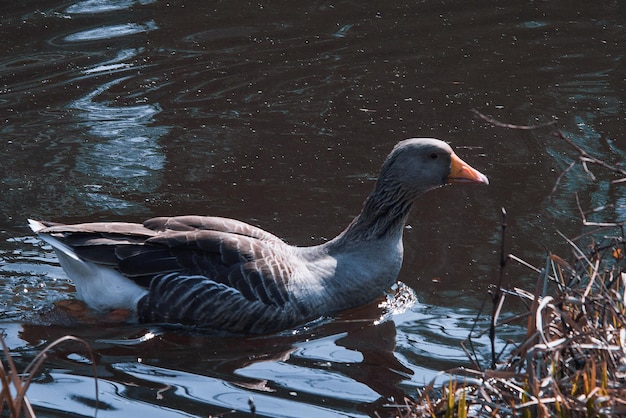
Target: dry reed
x,y
571,362
14,384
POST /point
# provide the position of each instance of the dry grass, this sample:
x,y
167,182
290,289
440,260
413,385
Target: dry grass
x,y
15,384
572,360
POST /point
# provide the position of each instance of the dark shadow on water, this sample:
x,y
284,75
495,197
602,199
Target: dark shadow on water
x,y
341,364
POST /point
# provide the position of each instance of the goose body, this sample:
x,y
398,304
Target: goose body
x,y
221,273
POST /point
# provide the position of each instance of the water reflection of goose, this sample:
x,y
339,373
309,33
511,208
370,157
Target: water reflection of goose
x,y
225,274
349,361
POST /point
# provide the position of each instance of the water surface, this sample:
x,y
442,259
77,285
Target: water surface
x,y
280,115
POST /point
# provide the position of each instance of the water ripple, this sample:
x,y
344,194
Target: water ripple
x,y
306,380
116,63
61,392
101,6
128,155
111,31
210,391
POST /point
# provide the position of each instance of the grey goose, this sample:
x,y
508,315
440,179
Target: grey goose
x,y
224,274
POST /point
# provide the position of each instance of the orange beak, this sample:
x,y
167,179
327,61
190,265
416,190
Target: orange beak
x,y
461,172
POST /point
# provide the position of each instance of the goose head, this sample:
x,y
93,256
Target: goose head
x,y
418,165
413,167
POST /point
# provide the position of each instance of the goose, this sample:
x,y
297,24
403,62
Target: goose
x,y
223,274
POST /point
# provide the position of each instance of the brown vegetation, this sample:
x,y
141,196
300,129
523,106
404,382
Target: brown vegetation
x,y
572,360
14,384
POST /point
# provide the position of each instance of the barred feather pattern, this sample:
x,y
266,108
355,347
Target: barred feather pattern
x,y
201,302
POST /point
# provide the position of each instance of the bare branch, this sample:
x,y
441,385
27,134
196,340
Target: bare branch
x,y
587,158
560,177
495,122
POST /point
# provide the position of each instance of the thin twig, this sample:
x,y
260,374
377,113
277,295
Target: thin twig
x,y
600,224
559,178
510,125
586,157
498,298
19,400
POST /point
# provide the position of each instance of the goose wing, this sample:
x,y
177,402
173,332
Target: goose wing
x,y
229,253
209,223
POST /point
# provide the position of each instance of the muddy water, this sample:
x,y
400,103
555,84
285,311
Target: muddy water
x,y
280,114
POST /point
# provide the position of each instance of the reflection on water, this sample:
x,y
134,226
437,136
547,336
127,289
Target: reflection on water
x,y
101,6
592,100
112,31
56,392
119,63
215,393
125,152
280,114
41,279
345,367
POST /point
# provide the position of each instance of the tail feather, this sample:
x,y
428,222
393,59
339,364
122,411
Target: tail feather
x,y
100,286
38,226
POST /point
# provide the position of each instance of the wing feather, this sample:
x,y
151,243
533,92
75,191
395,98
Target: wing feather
x,y
185,260
118,228
208,223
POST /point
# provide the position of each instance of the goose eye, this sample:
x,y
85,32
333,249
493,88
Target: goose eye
x,y
434,156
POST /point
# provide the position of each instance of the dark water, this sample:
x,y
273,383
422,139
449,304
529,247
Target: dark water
x,y
279,114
